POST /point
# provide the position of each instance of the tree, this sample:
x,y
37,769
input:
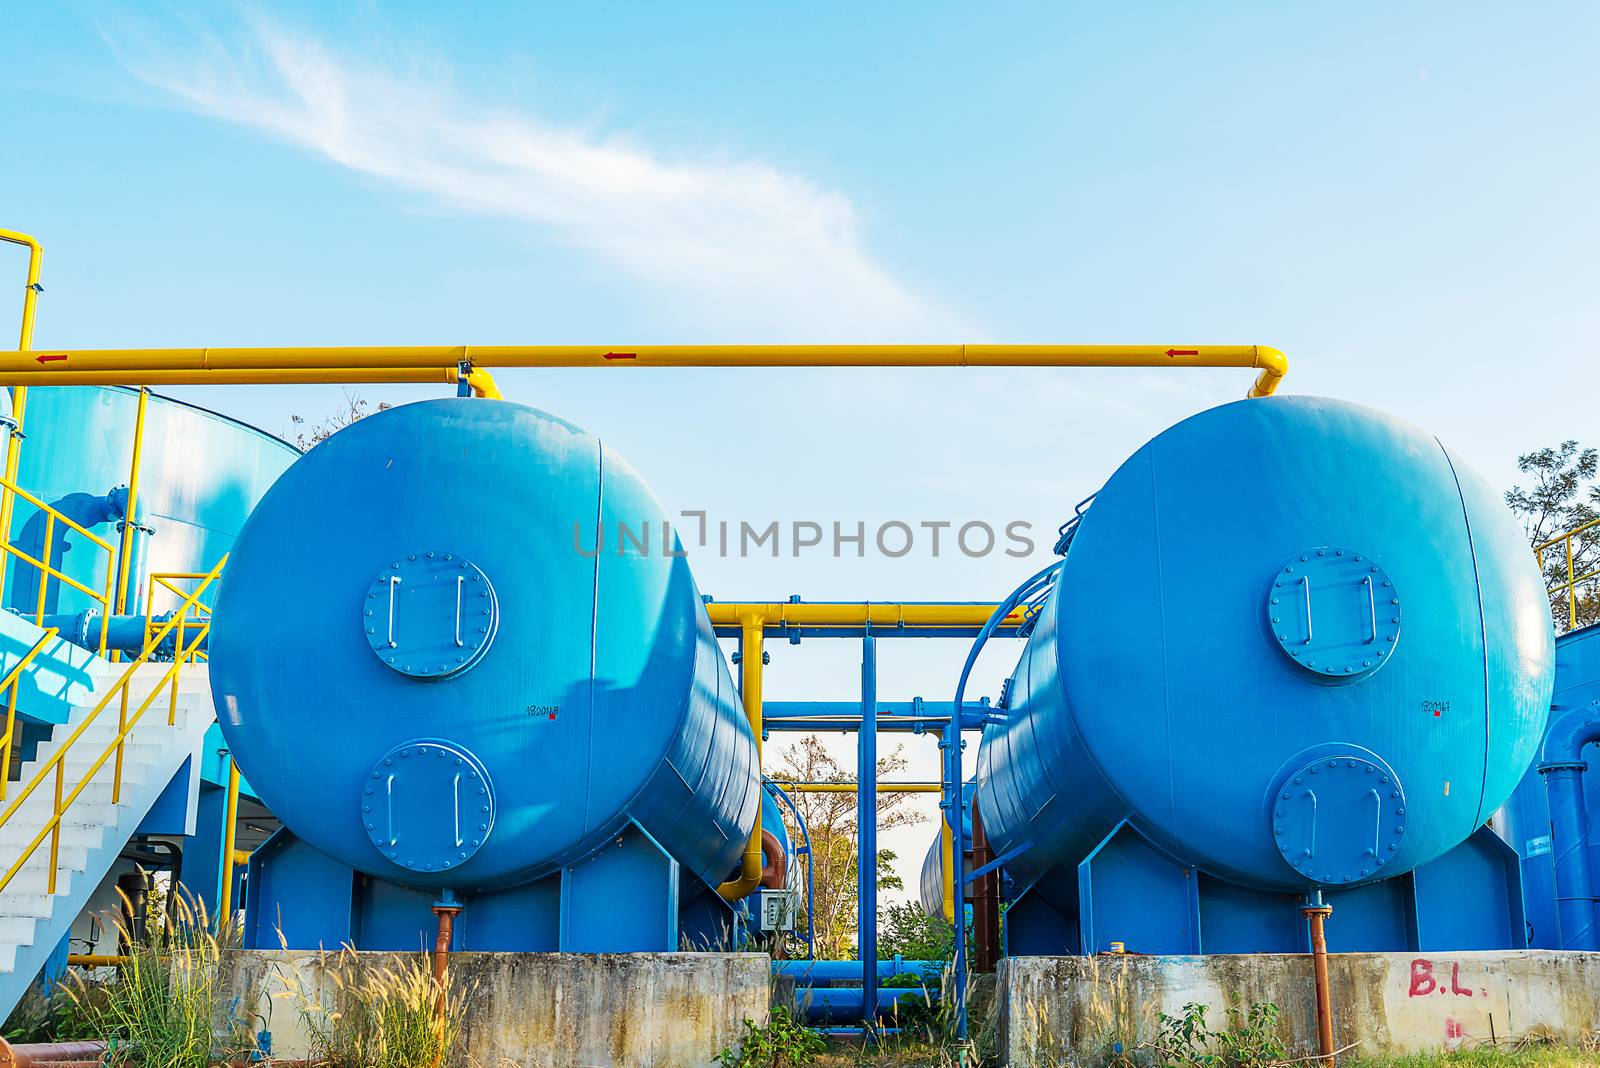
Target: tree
x,y
1561,497
355,408
911,933
831,820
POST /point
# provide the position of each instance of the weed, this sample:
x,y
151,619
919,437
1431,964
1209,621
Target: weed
x,y
161,1006
779,1043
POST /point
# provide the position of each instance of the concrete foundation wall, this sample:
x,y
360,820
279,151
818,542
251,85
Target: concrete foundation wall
x,y
547,1010
1057,1010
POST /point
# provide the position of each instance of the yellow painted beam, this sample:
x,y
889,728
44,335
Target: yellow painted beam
x,y
128,366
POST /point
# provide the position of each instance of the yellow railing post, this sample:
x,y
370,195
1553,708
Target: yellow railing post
x,y
131,508
1572,591
47,556
55,828
19,395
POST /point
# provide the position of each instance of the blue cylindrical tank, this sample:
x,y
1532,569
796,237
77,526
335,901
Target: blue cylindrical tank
x,y
1295,641
200,474
427,666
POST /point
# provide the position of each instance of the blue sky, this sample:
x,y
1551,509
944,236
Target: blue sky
x,y
1402,198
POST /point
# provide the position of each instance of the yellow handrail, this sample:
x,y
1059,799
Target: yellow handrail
x,y
57,763
166,580
12,681
19,395
10,490
1573,579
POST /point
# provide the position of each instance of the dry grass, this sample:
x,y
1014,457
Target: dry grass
x,y
377,1015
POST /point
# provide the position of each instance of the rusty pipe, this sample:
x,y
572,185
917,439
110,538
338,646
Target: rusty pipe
x,y
985,898
1316,915
446,910
775,870
53,1053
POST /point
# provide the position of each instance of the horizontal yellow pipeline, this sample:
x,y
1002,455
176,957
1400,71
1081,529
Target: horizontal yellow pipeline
x,y
850,787
96,960
479,380
774,616
133,366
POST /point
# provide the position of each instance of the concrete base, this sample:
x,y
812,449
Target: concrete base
x,y
550,1010
1052,1010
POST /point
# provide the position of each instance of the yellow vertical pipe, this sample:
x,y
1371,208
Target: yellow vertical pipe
x,y
946,843
131,508
230,837
751,632
19,394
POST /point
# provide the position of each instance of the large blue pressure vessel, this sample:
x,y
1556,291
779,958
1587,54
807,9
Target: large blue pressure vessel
x,y
427,665
1295,642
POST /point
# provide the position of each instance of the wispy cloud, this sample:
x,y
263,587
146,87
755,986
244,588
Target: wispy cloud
x,y
742,244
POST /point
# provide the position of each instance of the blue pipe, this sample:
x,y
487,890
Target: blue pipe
x,y
87,510
1561,763
955,809
811,869
848,1002
833,971
867,825
123,633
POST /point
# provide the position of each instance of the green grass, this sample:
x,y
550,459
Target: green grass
x,y
1531,1056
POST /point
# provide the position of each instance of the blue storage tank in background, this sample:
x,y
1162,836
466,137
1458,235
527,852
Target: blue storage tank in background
x,y
432,673
200,475
1296,645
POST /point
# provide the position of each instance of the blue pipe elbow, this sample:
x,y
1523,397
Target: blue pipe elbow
x,y
1568,734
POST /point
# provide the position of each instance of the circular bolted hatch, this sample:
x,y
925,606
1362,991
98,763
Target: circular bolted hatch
x,y
430,614
1334,612
428,805
1339,819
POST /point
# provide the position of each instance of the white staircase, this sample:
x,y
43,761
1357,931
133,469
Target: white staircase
x,y
93,830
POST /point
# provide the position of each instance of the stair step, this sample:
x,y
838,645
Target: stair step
x,y
73,835
34,878
20,906
71,858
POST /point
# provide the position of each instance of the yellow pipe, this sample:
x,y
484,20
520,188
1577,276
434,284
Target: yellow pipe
x,y
131,508
19,396
482,384
241,857
96,960
775,616
850,787
750,657
225,901
946,844
128,366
